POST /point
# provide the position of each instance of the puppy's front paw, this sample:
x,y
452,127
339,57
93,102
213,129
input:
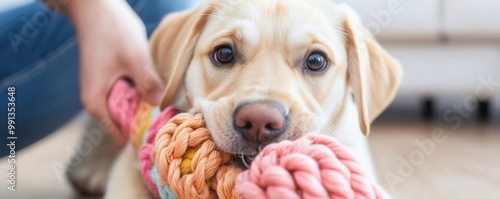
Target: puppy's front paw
x,y
89,168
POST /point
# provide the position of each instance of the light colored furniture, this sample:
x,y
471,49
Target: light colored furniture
x,y
446,47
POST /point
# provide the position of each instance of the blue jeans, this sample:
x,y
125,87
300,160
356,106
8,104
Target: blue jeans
x,y
39,57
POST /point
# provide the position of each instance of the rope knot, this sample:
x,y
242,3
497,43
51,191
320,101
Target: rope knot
x,y
313,166
188,161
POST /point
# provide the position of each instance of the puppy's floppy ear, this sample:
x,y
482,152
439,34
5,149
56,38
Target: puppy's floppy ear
x,y
372,73
172,46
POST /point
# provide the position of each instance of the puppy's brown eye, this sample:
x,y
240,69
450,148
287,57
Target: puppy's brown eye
x,y
316,62
223,55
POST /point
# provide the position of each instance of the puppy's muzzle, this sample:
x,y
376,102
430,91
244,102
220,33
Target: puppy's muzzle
x,y
260,121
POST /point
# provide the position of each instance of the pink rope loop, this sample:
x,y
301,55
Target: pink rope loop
x,y
145,151
158,122
314,166
146,165
122,105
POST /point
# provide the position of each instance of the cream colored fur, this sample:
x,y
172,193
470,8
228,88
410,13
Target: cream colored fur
x,y
271,39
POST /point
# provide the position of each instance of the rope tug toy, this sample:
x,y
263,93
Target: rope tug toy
x,y
179,159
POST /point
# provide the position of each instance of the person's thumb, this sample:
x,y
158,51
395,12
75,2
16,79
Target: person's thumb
x,y
148,83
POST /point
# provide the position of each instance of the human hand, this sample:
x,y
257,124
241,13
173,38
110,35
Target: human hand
x,y
112,45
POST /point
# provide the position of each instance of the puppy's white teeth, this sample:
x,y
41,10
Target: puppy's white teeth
x,y
247,165
244,160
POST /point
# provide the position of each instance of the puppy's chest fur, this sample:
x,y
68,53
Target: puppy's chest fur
x,y
348,133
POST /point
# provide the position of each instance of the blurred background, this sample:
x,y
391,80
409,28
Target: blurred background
x,y
450,53
440,138
449,49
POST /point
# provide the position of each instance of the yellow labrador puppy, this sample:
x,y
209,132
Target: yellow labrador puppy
x,y
262,71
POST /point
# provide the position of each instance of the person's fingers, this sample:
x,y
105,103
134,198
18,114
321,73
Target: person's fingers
x,y
97,106
94,97
109,125
95,103
147,82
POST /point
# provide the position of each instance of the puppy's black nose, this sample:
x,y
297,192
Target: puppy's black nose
x,y
260,121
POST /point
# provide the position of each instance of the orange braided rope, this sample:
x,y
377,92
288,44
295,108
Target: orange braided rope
x,y
189,163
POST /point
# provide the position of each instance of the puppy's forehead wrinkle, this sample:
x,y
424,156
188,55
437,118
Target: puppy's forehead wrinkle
x,y
216,16
268,15
243,31
219,13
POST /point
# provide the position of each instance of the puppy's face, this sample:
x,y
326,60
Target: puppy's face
x,y
264,71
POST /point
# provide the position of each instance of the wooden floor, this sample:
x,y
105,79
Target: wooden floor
x,y
466,164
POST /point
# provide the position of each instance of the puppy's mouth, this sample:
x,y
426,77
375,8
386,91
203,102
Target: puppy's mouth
x,y
244,158
246,152
243,161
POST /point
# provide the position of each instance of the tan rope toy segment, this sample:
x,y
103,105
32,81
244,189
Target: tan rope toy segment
x,y
189,162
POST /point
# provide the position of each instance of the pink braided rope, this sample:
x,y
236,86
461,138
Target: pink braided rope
x,y
314,166
145,151
146,165
122,104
